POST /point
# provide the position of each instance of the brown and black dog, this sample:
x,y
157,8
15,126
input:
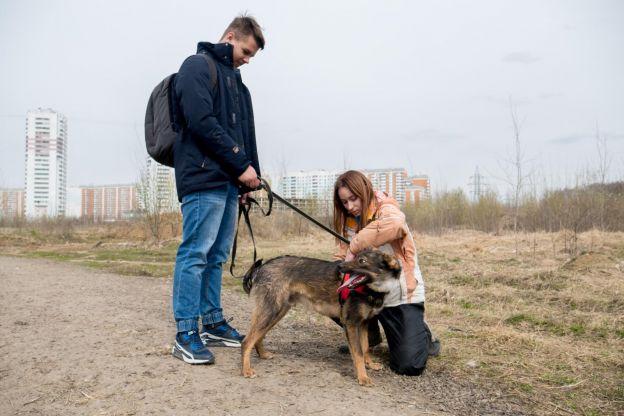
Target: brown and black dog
x,y
285,281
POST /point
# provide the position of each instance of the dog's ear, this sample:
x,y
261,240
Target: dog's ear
x,y
392,263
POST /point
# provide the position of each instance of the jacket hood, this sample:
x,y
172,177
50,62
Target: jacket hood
x,y
222,52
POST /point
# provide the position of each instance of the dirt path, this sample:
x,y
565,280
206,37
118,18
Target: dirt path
x,y
78,341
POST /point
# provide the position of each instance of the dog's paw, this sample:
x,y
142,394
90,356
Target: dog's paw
x,y
365,381
249,373
374,366
265,355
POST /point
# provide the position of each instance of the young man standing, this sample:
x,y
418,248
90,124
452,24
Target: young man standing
x,y
214,155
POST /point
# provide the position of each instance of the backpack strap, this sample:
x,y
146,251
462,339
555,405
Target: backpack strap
x,y
212,68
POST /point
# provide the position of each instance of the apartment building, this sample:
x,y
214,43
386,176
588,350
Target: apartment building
x,y
316,184
46,164
417,188
108,202
391,181
157,189
11,203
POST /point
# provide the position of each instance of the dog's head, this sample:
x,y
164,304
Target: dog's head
x,y
373,268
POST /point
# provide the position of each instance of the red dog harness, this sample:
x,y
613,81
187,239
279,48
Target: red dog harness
x,y
349,285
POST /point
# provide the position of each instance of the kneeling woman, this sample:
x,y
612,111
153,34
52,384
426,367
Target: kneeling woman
x,y
373,219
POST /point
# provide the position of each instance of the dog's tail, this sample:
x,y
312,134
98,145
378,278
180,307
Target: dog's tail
x,y
249,276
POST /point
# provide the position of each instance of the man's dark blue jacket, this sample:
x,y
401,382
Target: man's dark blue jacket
x,y
217,141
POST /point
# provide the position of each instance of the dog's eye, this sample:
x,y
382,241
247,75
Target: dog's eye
x,y
362,260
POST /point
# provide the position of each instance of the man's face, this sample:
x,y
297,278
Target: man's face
x,y
245,48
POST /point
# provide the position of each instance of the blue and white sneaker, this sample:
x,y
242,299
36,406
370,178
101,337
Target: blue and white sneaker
x,y
221,334
189,348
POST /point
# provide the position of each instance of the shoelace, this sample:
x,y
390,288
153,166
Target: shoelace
x,y
229,328
196,342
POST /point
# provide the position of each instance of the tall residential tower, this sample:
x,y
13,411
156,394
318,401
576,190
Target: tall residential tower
x,y
46,163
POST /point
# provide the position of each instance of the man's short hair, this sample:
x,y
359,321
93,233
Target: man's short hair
x,y
244,26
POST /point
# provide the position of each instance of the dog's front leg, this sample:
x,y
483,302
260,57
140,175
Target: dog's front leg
x,y
246,369
355,346
368,361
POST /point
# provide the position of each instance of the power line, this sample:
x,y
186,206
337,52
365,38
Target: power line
x,y
478,185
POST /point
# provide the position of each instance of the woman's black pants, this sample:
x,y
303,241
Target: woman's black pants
x,y
407,335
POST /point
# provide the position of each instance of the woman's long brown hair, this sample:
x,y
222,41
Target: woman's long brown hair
x,y
361,187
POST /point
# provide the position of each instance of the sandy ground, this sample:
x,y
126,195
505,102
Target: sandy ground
x,y
76,341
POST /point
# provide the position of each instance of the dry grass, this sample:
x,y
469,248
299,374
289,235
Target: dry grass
x,y
546,328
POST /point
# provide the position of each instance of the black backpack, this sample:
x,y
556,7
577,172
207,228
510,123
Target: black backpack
x,y
162,121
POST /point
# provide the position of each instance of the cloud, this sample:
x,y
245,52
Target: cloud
x,y
549,95
504,101
431,135
569,139
578,137
521,58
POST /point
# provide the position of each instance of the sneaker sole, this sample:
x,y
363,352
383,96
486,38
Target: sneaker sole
x,y
215,341
180,355
435,348
210,343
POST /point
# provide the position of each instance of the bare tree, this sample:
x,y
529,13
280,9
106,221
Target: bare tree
x,y
514,169
155,192
518,160
346,162
604,162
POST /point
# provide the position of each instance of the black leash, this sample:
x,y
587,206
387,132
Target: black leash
x,y
244,208
306,216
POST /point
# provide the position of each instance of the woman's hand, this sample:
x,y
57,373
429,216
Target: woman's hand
x,y
411,287
349,256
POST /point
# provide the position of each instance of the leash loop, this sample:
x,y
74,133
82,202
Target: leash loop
x,y
245,208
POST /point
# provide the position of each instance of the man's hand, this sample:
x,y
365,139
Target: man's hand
x,y
243,197
250,178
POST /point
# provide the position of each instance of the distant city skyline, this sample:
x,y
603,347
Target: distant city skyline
x,y
421,85
319,184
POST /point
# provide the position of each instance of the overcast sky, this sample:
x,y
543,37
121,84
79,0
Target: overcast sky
x,y
355,84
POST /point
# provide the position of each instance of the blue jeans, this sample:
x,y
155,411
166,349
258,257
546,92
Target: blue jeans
x,y
208,224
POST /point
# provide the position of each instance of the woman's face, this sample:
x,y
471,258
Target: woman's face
x,y
352,203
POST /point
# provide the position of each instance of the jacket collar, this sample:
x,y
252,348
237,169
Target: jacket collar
x,y
221,52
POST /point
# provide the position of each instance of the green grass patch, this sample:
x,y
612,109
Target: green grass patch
x,y
95,264
525,387
133,254
516,319
57,255
525,320
462,280
557,379
510,262
615,394
141,269
429,258
577,328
